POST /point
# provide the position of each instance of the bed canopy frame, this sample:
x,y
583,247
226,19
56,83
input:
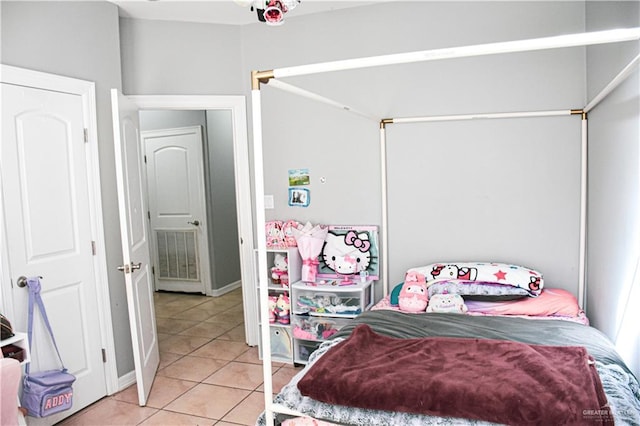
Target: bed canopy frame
x,y
272,77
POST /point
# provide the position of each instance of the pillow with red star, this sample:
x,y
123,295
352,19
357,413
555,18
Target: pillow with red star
x,y
485,272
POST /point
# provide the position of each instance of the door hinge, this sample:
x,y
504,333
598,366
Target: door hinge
x,y
93,248
145,159
153,270
149,214
104,355
86,135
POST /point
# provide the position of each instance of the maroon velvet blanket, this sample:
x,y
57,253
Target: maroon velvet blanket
x,y
493,380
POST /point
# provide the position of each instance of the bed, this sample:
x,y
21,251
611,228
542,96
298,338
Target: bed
x,y
615,394
500,355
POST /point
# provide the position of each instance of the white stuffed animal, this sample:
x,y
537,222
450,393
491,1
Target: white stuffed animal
x,y
453,303
280,270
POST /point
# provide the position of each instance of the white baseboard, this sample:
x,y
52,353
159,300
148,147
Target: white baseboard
x,y
226,289
126,380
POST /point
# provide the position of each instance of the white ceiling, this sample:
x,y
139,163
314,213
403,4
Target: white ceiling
x,y
219,11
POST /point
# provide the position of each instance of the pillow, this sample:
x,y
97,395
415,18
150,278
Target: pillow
x,y
474,290
550,302
499,273
395,294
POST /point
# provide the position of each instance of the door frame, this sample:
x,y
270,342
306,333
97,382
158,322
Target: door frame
x,y
86,90
237,105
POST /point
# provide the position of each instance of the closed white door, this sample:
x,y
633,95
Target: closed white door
x,y
136,265
177,208
47,219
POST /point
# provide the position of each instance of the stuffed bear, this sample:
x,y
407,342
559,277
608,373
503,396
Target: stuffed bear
x,y
413,294
279,272
453,303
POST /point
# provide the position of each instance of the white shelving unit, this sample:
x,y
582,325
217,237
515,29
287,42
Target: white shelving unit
x,y
281,337
20,340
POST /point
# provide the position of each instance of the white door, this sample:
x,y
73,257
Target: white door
x,y
175,178
136,266
47,219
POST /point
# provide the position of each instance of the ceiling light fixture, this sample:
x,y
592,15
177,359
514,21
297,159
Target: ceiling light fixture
x,y
271,12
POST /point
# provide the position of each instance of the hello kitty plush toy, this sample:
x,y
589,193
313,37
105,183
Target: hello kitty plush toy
x,y
452,303
282,309
272,304
280,270
413,295
348,254
275,235
288,232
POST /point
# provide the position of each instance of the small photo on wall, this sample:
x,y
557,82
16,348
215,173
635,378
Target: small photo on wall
x,y
299,197
299,177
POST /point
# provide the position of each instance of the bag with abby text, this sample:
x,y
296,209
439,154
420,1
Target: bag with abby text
x,y
47,392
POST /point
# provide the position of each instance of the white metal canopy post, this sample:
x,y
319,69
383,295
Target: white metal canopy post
x,y
384,247
262,249
583,215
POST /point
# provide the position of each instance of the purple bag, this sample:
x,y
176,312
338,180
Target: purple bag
x,y
47,392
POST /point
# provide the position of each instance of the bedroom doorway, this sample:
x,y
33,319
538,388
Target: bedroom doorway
x,y
221,110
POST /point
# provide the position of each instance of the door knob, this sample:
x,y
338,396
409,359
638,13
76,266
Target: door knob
x,y
22,281
195,222
130,267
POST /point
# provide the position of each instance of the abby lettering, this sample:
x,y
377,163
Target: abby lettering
x,y
58,400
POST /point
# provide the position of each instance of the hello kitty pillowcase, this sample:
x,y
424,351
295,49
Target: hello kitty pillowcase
x,y
483,272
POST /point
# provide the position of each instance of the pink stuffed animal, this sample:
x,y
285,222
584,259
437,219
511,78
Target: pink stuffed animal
x,y
413,295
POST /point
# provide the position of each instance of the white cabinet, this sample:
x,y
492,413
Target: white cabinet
x,y
280,302
16,347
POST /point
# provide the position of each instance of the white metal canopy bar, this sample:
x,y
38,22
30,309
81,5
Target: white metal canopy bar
x,y
480,116
314,96
555,42
617,80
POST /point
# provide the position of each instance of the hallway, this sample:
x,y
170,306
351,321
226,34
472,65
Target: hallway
x,y
207,373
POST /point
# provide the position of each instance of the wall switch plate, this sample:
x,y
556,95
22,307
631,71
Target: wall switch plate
x,y
268,201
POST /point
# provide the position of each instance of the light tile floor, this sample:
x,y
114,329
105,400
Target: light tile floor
x,y
207,374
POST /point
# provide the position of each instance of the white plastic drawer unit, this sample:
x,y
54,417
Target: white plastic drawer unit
x,y
316,328
303,350
329,298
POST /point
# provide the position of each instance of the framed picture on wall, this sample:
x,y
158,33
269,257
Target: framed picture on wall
x,y
299,197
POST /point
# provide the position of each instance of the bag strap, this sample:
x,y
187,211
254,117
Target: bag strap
x,y
34,286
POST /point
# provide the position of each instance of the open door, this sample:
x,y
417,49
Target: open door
x,y
136,266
